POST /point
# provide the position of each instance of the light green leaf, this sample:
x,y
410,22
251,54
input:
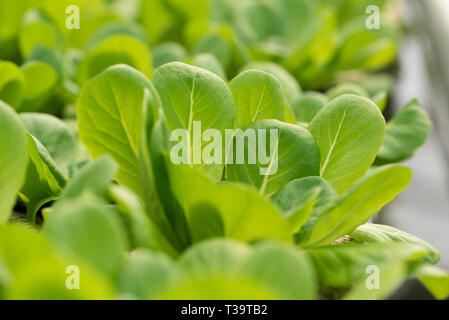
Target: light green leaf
x,y
346,88
54,135
208,62
116,28
215,44
143,232
13,161
198,9
290,86
215,257
145,274
168,52
299,15
12,84
306,107
296,206
50,56
302,197
94,178
220,287
5,278
43,182
346,264
10,17
354,208
74,226
190,94
109,111
259,21
292,155
258,96
37,30
435,279
284,270
156,18
407,132
248,217
160,203
22,247
40,79
391,275
367,49
381,99
349,133
116,49
373,233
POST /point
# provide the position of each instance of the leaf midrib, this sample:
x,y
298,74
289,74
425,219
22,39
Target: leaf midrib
x,y
333,144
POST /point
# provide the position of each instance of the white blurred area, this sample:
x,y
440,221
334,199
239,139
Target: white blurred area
x,y
423,209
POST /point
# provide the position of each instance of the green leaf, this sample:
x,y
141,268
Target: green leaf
x,y
274,269
74,226
292,155
258,96
373,233
143,232
296,206
156,18
116,49
391,275
44,182
290,86
41,80
145,274
367,49
349,133
354,208
13,163
299,15
160,203
109,111
248,217
381,99
54,135
51,57
116,28
35,30
196,10
285,270
216,45
220,287
94,178
208,62
168,52
12,84
22,247
260,21
214,257
306,107
289,197
346,88
311,52
345,264
435,279
5,278
190,94
10,18
407,132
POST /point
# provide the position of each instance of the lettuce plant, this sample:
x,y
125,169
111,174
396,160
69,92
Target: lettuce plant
x,y
90,195
215,231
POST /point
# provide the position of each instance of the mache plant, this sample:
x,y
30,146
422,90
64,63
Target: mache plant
x,y
87,183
